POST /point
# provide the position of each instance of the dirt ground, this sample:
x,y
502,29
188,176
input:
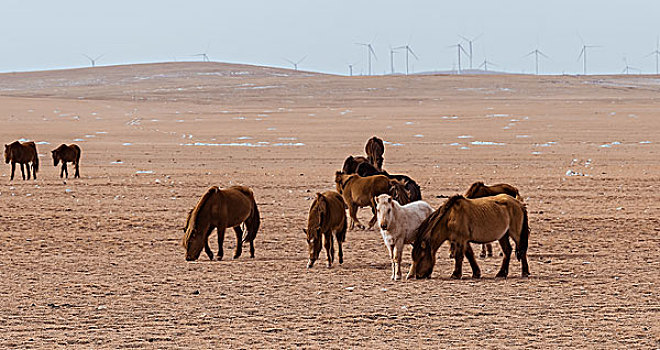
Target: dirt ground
x,y
96,262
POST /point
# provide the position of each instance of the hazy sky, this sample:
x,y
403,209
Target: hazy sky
x,y
46,34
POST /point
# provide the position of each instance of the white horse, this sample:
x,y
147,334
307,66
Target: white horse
x,y
398,224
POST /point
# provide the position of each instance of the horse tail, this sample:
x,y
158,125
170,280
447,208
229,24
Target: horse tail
x,y
78,152
35,160
521,247
253,221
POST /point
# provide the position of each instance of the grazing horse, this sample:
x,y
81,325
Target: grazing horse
x,y
360,192
351,164
221,209
478,190
398,225
22,153
64,153
413,192
326,215
461,221
375,149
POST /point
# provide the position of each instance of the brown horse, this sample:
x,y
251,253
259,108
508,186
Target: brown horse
x,y
22,153
375,149
461,221
478,190
412,189
360,192
64,153
351,164
221,209
326,215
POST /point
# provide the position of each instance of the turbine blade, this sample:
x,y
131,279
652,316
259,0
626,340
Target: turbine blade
x,y
302,59
544,55
412,52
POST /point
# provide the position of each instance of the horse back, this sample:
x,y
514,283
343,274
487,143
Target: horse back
x,y
335,210
234,204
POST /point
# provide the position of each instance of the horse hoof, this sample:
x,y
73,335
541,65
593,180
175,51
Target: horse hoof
x,y
476,276
236,256
455,277
501,275
525,275
329,265
218,258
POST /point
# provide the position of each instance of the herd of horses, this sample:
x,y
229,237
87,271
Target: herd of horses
x,y
483,215
25,154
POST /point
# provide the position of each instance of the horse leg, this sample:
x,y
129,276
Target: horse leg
x,y
77,175
27,168
207,249
489,249
398,251
22,171
373,220
458,258
390,250
452,250
13,168
354,219
329,250
469,254
506,249
221,240
239,242
525,266
340,252
483,251
66,170
252,249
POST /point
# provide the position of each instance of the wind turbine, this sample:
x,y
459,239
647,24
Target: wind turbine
x,y
470,41
295,64
536,54
657,54
408,51
370,52
392,52
583,53
628,68
93,60
459,49
485,64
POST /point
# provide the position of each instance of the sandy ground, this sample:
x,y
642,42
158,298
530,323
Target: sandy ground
x,y
96,262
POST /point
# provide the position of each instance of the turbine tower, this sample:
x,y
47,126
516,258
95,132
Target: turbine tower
x,y
583,53
408,52
459,49
370,52
392,52
485,64
92,61
657,54
536,54
626,70
295,64
470,41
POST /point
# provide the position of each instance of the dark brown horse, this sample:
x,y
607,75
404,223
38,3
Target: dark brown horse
x,y
478,190
221,209
65,154
375,149
351,164
326,215
461,221
22,153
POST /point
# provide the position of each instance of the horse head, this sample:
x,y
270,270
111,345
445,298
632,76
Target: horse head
x,y
197,227
56,156
313,230
423,259
384,211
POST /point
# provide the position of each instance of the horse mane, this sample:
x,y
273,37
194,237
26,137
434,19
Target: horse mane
x,y
192,216
423,231
471,192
